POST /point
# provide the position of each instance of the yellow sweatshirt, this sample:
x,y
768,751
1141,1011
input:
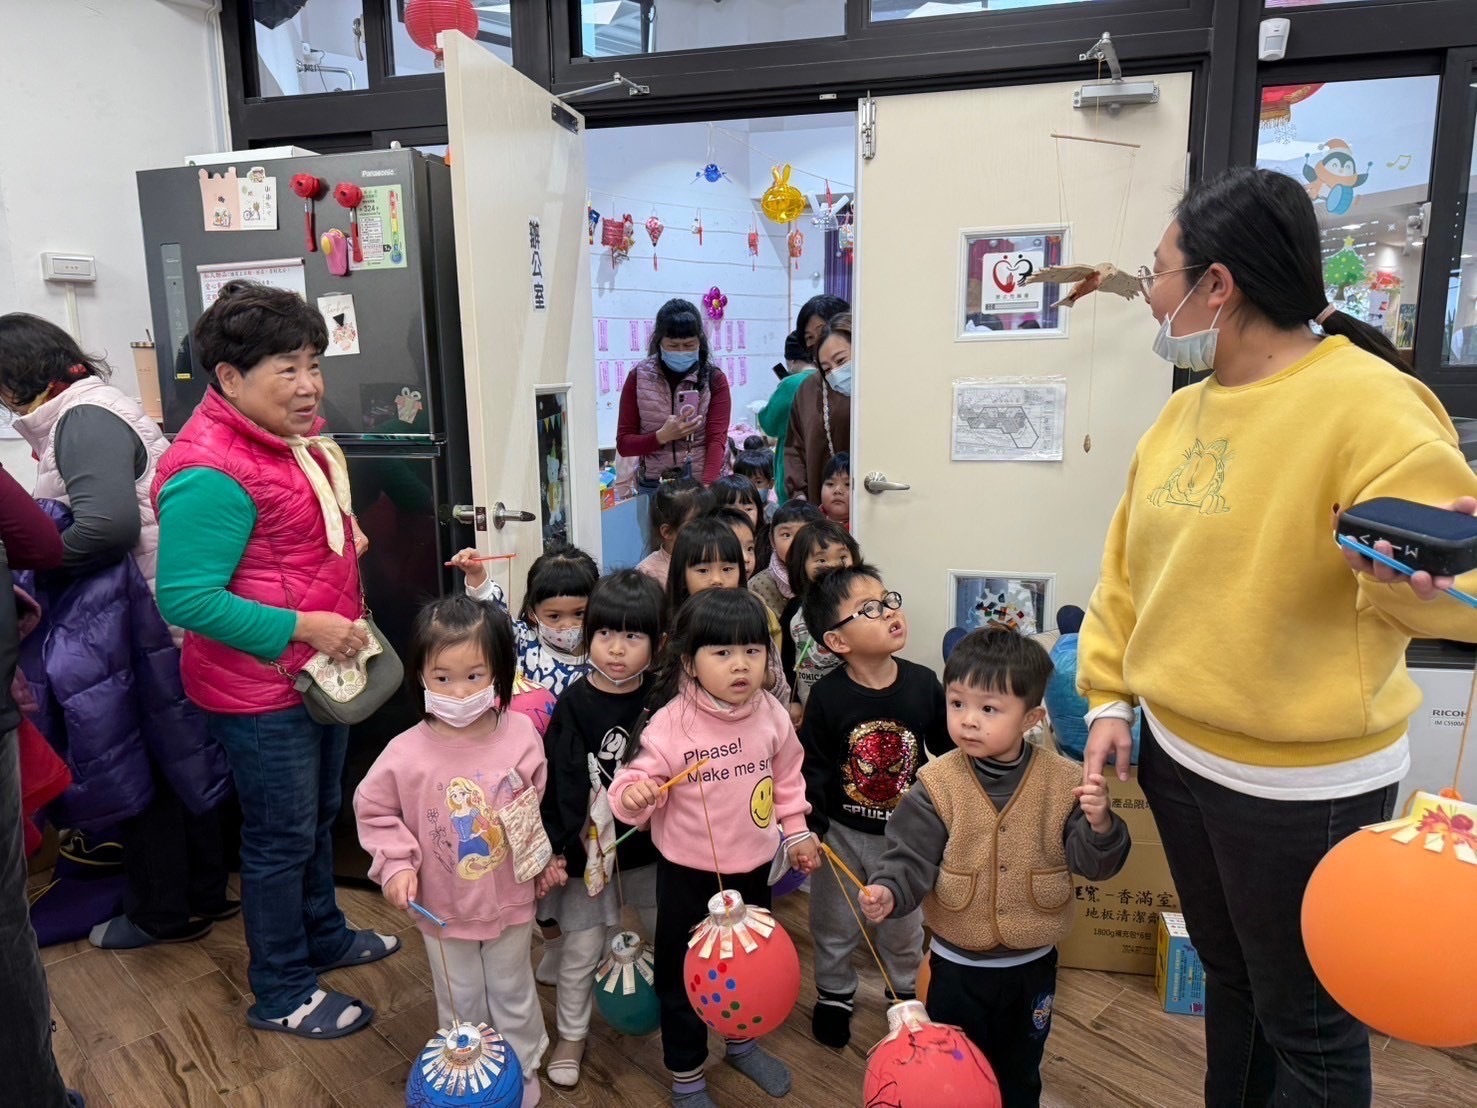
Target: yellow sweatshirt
x,y
1225,604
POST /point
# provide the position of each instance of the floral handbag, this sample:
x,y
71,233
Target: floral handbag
x,y
350,692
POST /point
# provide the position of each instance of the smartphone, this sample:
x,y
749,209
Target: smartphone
x,y
780,371
1441,542
687,403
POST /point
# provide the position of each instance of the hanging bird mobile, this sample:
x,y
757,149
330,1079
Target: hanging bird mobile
x,y
797,245
715,302
712,174
825,219
782,202
1087,279
654,229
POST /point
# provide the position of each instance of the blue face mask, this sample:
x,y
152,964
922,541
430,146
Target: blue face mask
x,y
679,361
840,379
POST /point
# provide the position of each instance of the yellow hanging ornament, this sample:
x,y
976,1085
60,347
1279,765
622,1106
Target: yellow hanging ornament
x,y
782,201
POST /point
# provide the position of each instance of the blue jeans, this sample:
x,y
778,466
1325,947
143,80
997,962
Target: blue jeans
x,y
288,772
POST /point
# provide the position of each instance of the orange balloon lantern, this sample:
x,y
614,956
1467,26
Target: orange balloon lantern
x,y
741,971
1378,919
922,1064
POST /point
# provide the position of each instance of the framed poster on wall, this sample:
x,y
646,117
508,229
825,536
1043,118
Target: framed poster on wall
x,y
995,300
1024,601
551,433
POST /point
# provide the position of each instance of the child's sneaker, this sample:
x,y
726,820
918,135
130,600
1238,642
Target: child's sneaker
x,y
831,1021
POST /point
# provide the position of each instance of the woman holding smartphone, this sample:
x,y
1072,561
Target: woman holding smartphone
x,y
675,404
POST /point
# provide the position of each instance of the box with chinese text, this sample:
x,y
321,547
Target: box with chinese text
x,y
1179,978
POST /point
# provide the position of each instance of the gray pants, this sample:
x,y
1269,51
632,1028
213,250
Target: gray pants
x,y
31,1076
899,941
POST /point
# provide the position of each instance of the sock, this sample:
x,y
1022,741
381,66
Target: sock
x,y
547,972
295,1019
691,1093
831,1021
533,1092
899,997
765,1070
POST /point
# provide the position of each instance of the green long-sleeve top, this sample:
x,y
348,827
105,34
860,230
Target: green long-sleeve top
x,y
774,421
205,520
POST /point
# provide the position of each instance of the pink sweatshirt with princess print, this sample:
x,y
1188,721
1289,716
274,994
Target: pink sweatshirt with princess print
x,y
429,804
752,783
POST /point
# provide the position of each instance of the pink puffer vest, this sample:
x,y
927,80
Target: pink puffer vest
x,y
656,402
286,564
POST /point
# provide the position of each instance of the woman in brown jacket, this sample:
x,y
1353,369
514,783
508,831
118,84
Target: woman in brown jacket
x,y
820,419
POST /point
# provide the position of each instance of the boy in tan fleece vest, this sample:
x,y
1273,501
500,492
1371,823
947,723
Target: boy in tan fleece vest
x,y
987,842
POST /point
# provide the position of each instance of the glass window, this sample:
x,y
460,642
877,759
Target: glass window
x,y
1315,3
1363,151
1460,345
494,32
309,46
885,10
614,28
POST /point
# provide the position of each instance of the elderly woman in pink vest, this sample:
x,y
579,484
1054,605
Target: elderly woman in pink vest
x,y
96,452
675,405
259,562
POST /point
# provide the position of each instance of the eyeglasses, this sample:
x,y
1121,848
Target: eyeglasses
x,y
873,609
1147,276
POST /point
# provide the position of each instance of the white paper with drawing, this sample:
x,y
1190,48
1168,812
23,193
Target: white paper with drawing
x,y
1009,419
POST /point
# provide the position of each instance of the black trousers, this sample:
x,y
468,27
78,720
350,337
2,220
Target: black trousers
x,y
1005,1012
26,1061
682,896
1240,863
174,861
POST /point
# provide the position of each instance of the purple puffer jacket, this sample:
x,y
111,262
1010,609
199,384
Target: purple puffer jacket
x,y
106,677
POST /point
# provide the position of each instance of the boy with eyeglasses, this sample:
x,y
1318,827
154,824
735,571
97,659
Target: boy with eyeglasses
x,y
868,727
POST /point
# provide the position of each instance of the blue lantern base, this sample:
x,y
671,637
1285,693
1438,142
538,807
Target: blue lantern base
x,y
468,1066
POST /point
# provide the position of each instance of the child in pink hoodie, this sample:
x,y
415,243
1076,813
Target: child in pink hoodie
x,y
444,813
710,704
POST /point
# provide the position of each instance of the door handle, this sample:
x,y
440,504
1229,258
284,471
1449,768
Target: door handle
x,y
876,483
502,514
464,513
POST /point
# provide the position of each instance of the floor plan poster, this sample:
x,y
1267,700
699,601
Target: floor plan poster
x,y
1009,419
382,228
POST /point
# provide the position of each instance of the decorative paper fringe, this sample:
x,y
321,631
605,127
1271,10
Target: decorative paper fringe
x,y
444,1071
1438,822
753,921
617,971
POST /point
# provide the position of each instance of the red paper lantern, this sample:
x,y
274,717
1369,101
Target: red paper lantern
x,y
425,19
741,971
1376,915
922,1064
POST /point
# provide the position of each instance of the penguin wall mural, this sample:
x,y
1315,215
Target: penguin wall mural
x,y
1335,177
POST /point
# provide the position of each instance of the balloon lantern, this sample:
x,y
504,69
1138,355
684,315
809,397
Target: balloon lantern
x,y
782,201
787,884
741,971
922,1064
469,1066
425,19
1376,915
624,990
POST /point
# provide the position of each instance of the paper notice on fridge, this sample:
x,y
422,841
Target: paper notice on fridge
x,y
338,315
258,200
382,228
280,273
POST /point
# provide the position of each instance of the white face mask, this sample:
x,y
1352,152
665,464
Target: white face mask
x,y
567,641
621,682
461,713
1195,351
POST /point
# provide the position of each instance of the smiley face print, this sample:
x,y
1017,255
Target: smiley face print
x,y
761,802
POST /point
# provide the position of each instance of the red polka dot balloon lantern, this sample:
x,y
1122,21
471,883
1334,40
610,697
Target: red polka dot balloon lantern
x,y
742,972
922,1064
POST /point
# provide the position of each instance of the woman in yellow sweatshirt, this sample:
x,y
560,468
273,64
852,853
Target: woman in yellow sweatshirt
x,y
1270,670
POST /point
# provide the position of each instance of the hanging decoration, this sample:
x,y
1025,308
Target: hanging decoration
x,y
846,240
797,245
782,202
754,245
350,197
425,19
309,188
741,971
1344,270
625,989
712,174
1376,919
1276,112
1385,280
697,226
825,219
594,218
922,1064
468,1065
620,236
716,302
654,229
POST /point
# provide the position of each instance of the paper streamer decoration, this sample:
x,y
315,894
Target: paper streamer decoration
x,y
922,1064
467,1065
603,328
782,201
624,986
741,971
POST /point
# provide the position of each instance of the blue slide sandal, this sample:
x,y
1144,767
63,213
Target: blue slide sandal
x,y
368,946
322,1021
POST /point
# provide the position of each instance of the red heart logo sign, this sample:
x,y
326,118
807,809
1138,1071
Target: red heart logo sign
x,y
1004,276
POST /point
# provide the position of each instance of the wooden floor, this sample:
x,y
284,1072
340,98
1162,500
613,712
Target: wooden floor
x,y
165,1028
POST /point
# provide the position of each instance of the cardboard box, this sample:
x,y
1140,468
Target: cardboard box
x,y
1179,978
1117,926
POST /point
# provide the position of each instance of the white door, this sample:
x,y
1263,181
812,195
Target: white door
x,y
516,169
948,164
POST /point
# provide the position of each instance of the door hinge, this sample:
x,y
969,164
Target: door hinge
x,y
867,117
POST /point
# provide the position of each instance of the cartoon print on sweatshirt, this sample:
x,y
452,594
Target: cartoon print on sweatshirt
x,y
881,759
481,847
1198,480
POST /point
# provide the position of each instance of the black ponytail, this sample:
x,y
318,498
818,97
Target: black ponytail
x,y
1261,226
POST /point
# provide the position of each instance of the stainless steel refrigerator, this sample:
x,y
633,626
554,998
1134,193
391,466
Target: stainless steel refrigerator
x,y
396,400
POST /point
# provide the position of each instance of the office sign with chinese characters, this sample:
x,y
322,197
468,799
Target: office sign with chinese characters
x,y
536,266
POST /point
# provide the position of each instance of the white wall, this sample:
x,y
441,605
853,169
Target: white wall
x,y
92,92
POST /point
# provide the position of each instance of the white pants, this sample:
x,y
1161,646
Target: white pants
x,y
492,983
583,952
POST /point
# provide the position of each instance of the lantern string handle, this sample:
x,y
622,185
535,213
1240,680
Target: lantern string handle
x,y
1461,750
712,842
837,868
